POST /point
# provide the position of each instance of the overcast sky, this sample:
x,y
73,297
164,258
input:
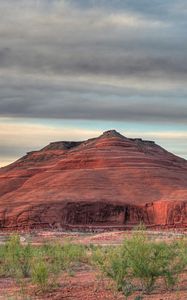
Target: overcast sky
x,y
72,69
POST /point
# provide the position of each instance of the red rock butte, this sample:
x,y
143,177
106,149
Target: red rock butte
x,y
106,182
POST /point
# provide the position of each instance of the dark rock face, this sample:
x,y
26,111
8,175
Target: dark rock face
x,y
107,181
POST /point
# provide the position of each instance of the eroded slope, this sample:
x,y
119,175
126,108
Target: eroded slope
x,y
106,181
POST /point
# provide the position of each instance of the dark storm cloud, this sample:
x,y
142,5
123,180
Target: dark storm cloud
x,y
108,60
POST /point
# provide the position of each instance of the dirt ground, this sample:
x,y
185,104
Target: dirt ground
x,y
85,285
86,238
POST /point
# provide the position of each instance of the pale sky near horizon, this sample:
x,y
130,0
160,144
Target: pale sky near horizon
x,y
71,69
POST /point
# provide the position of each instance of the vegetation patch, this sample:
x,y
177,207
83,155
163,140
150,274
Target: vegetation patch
x,y
139,265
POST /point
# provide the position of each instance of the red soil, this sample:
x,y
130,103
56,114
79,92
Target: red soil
x,y
87,285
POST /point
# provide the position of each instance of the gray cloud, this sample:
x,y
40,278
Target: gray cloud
x,y
107,60
75,101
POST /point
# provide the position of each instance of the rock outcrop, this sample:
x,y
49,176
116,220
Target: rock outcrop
x,y
109,181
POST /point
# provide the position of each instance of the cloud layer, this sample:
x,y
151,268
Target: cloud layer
x,y
94,59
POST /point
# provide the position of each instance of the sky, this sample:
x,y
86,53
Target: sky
x,y
71,69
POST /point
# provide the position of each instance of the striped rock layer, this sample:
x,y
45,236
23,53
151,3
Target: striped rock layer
x,y
105,182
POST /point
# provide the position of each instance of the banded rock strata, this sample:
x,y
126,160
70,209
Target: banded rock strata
x,y
108,181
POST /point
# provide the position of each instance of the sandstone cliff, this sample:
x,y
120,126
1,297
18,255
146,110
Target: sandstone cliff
x,y
106,181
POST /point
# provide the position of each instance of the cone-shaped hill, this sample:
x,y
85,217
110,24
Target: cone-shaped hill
x,y
109,181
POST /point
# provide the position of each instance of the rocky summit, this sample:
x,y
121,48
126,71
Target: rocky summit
x,y
106,182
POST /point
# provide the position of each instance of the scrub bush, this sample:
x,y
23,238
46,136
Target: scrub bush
x,y
143,261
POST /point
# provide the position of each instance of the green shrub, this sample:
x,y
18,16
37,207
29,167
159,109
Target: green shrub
x,y
25,260
139,297
149,261
74,253
61,257
12,255
40,275
175,262
16,258
43,264
142,260
114,264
